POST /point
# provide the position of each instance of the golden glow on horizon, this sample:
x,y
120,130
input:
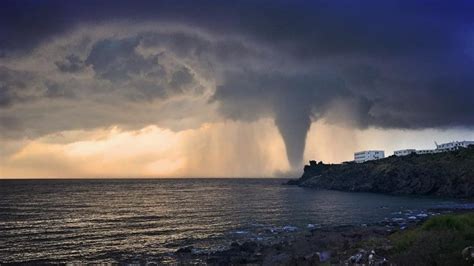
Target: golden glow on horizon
x,y
213,150
226,149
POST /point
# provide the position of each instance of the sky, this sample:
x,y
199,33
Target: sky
x,y
227,88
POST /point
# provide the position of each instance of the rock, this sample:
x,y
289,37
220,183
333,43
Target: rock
x,y
248,246
312,258
357,258
371,259
352,235
292,182
324,256
397,219
187,249
289,228
468,253
279,259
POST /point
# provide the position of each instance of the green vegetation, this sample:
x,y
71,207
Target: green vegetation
x,y
460,223
439,241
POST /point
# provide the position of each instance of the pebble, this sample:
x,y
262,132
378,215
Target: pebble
x,y
290,228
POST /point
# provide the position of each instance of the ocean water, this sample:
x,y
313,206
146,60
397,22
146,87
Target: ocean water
x,y
115,220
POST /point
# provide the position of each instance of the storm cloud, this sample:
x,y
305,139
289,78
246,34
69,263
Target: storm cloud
x,y
406,65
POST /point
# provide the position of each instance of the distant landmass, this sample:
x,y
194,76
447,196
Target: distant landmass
x,y
449,174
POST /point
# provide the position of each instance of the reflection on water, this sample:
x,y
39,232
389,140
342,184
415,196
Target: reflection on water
x,y
100,220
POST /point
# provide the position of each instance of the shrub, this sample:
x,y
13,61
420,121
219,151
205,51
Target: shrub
x,y
439,241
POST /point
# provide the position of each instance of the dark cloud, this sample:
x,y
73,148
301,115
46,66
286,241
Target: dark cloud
x,y
5,97
291,99
117,60
17,87
314,28
14,87
91,87
397,64
8,125
72,63
181,78
54,90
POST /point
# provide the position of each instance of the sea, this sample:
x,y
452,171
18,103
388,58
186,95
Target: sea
x,y
107,221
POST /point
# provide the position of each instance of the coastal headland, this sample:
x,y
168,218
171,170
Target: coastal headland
x,y
448,174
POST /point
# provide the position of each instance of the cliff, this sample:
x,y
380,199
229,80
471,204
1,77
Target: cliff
x,y
448,174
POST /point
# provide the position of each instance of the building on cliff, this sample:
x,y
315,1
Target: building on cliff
x,y
428,151
454,145
404,152
364,156
450,146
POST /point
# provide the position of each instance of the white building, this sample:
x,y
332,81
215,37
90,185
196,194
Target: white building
x,y
427,151
450,146
364,156
454,145
404,152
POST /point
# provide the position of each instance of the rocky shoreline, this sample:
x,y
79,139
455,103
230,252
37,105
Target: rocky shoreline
x,y
448,174
369,244
333,245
